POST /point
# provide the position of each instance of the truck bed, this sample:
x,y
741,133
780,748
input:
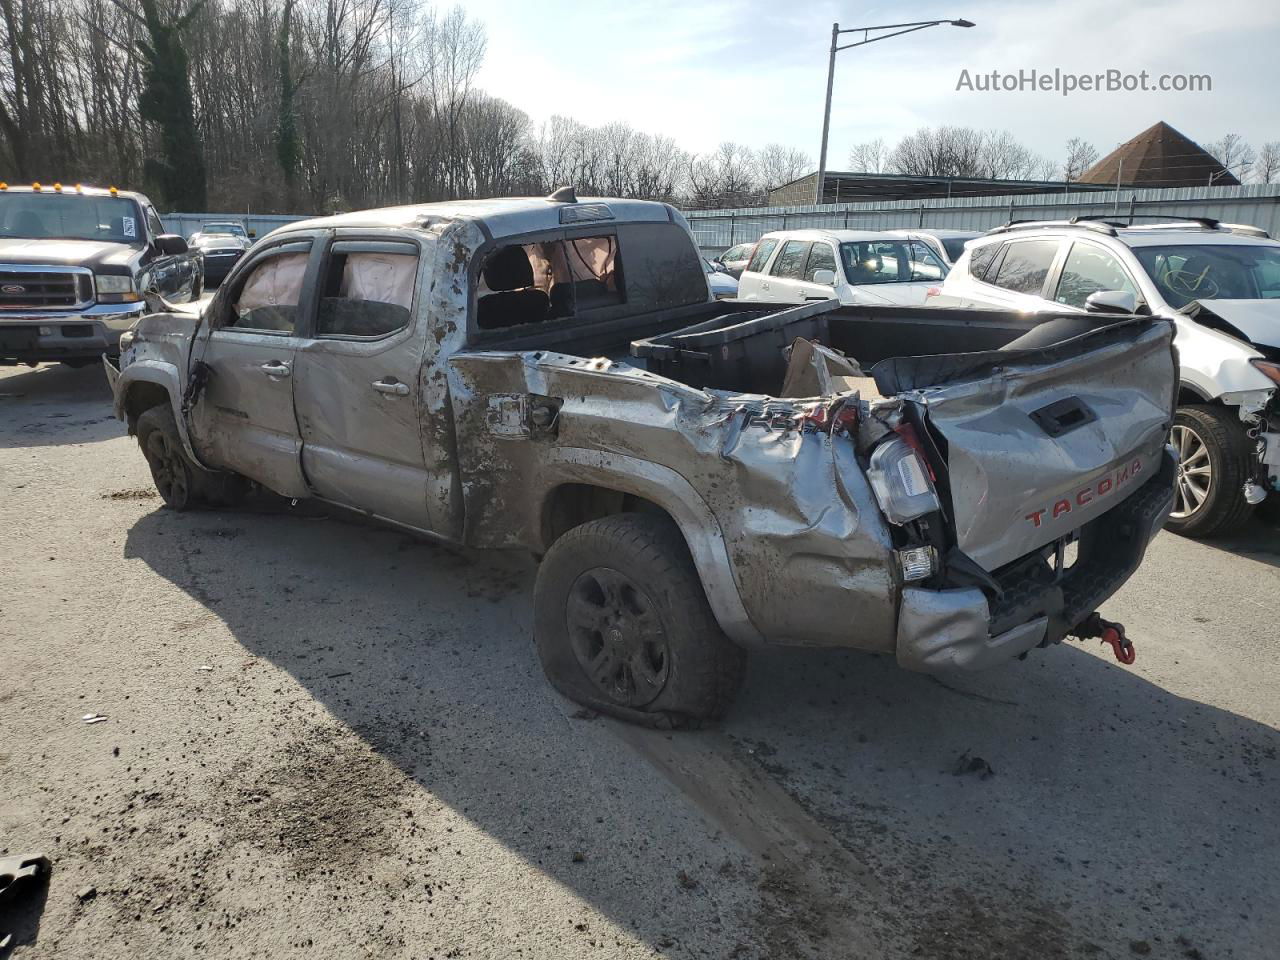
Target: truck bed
x,y
613,338
746,352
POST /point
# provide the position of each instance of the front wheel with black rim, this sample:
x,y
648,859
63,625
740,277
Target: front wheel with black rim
x,y
622,624
1213,465
181,483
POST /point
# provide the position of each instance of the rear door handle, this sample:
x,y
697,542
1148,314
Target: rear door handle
x,y
276,368
392,387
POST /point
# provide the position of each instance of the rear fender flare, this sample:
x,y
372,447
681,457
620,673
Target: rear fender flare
x,y
669,490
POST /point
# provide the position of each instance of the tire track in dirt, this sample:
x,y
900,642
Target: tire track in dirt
x,y
813,888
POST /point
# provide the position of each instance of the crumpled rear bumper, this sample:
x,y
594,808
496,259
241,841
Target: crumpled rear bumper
x,y
966,629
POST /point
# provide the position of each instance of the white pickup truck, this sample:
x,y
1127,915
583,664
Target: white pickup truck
x,y
552,375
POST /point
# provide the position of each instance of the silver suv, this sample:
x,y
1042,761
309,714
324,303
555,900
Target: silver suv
x,y
1220,287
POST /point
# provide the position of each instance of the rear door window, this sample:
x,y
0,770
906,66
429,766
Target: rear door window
x,y
764,250
981,258
367,290
1025,266
1087,270
790,262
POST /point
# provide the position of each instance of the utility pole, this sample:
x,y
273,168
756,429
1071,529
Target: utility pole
x,y
826,117
898,30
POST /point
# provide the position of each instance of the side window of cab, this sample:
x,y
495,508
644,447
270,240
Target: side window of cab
x,y
265,297
367,289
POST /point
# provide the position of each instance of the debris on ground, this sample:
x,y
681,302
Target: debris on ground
x,y
86,893
205,668
93,718
968,764
686,881
578,857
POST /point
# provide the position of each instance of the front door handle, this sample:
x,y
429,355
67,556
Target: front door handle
x,y
391,387
276,368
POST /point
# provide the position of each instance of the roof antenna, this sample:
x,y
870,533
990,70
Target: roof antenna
x,y
564,195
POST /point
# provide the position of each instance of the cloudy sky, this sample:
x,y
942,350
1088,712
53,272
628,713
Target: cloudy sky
x,y
754,71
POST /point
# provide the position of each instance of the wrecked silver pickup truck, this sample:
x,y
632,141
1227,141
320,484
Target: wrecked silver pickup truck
x,y
553,375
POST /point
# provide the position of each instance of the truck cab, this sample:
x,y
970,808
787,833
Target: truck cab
x,y
75,266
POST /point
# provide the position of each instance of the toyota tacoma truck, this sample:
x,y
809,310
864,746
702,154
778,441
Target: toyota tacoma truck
x,y
696,477
76,264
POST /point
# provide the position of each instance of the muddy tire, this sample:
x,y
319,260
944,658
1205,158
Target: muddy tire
x,y
181,484
1214,463
622,625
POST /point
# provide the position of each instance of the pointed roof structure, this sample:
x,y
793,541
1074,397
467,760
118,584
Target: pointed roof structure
x,y
1160,156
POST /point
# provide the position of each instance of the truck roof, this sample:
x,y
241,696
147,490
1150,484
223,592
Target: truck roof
x,y
502,216
73,189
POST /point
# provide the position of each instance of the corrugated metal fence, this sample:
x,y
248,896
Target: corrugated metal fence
x,y
716,230
1257,204
185,224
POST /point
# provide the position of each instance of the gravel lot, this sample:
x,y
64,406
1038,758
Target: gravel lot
x,y
328,739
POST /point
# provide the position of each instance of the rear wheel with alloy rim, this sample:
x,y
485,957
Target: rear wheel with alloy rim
x,y
622,624
1213,465
617,636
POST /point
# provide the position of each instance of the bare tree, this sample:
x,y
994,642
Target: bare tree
x,y
724,177
1234,154
1266,169
1081,155
777,164
869,157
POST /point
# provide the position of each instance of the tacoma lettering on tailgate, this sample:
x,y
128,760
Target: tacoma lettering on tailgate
x,y
1101,488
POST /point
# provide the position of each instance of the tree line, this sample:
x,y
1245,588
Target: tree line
x,y
949,151
317,105
325,105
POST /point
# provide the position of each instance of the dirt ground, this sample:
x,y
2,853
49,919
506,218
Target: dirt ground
x,y
328,739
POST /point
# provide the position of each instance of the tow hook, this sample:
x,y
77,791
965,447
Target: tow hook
x,y
1108,632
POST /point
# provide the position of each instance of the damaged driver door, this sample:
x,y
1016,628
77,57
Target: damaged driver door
x,y
243,418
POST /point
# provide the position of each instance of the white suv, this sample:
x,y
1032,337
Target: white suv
x,y
1221,289
853,266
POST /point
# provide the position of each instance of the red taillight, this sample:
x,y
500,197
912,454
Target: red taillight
x,y
908,433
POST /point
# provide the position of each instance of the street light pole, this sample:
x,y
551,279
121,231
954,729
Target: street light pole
x,y
899,29
826,116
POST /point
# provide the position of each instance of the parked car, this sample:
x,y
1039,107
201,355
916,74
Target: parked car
x,y
947,244
456,369
1221,289
854,266
223,227
221,251
723,286
736,258
75,264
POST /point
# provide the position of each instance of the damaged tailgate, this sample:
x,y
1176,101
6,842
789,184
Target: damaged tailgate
x,y
1039,442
